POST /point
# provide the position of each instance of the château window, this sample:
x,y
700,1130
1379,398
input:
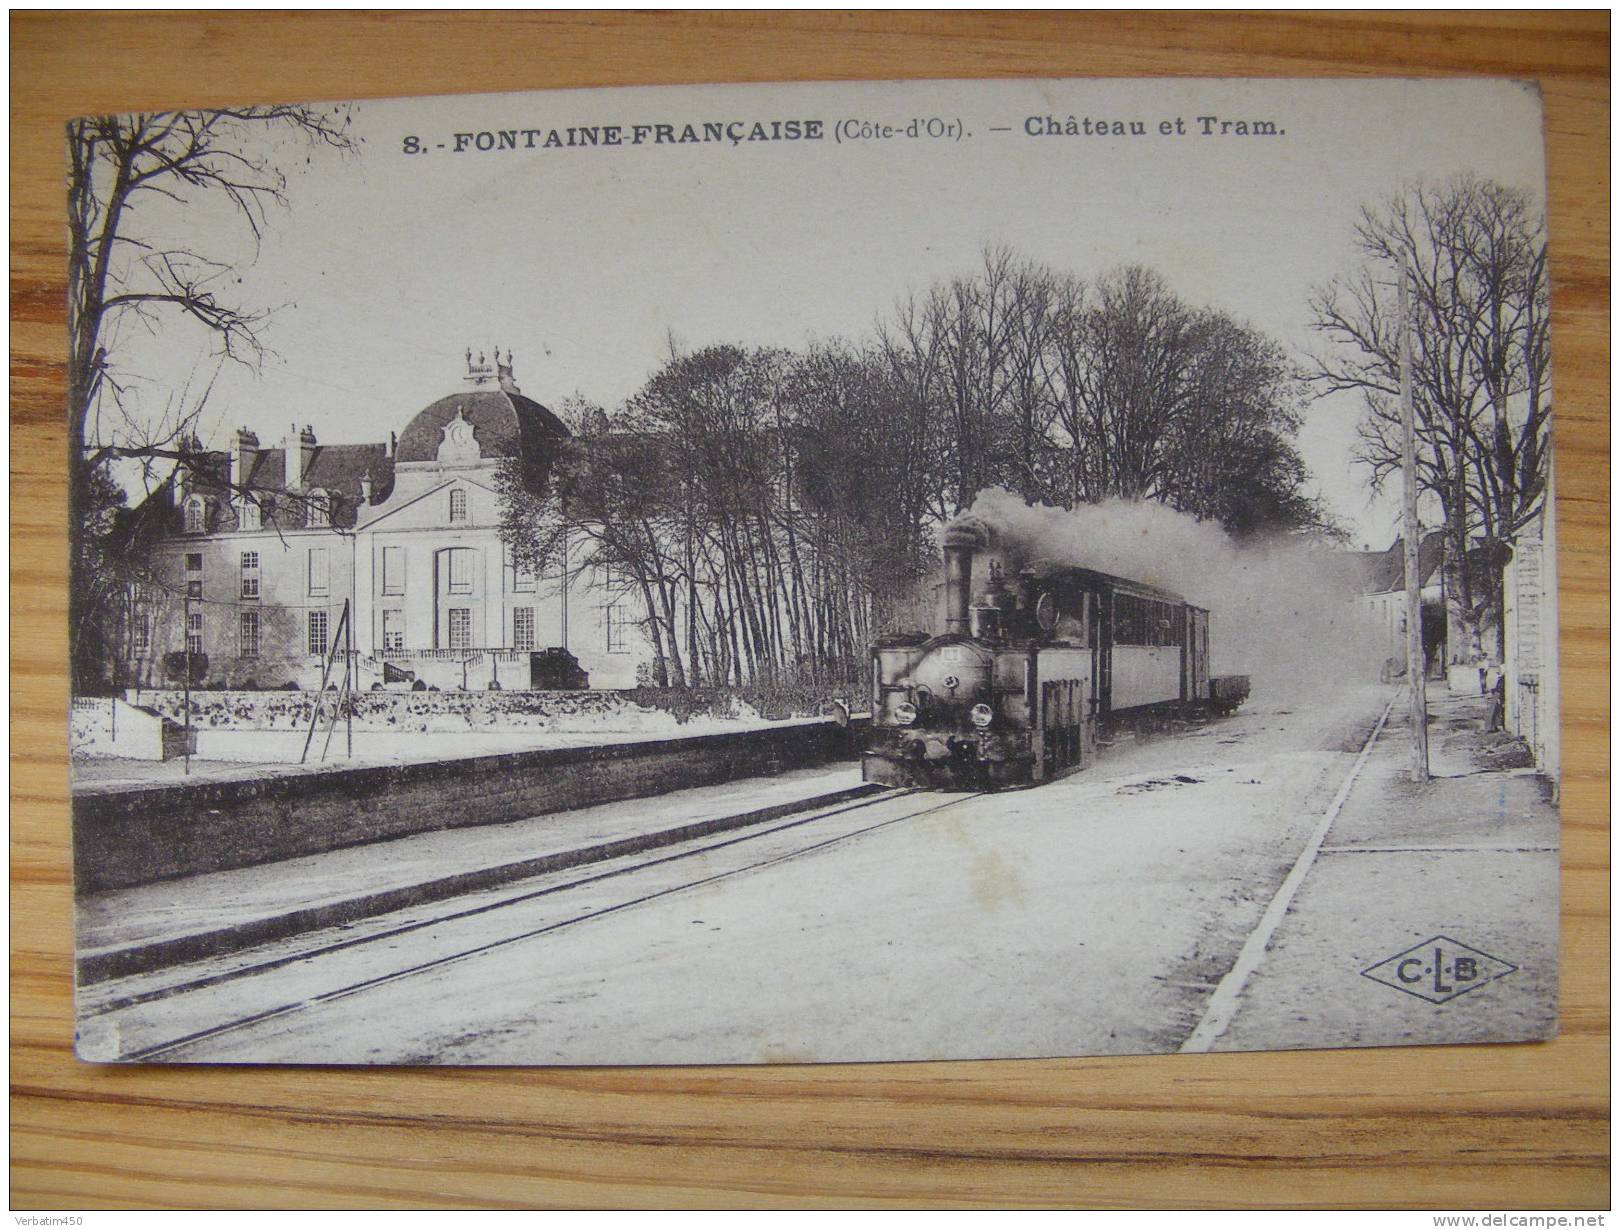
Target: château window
x,y
317,632
140,621
393,570
250,574
194,574
194,633
250,634
616,626
320,510
522,579
393,631
458,506
248,516
195,520
319,569
460,627
523,627
461,570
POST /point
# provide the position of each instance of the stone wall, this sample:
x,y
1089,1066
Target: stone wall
x,y
125,836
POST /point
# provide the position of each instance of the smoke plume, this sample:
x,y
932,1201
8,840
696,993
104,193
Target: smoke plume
x,y
1282,612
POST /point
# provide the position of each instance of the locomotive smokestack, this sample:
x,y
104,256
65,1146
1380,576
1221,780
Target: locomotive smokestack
x,y
958,585
962,539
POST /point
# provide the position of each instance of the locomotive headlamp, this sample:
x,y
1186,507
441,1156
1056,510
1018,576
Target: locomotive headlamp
x,y
905,713
981,715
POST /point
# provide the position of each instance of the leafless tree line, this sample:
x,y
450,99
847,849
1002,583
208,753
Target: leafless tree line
x,y
1071,391
772,510
1475,257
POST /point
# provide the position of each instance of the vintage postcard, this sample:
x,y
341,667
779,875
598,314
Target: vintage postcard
x,y
807,573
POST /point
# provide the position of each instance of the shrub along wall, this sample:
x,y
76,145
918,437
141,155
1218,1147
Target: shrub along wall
x,y
401,710
641,709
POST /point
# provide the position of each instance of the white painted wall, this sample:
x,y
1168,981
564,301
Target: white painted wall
x,y
1530,626
1146,675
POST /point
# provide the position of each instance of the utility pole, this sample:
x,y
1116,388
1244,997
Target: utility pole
x,y
185,633
563,623
348,679
1417,685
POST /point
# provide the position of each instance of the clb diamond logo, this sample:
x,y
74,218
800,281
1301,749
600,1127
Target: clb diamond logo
x,y
1438,970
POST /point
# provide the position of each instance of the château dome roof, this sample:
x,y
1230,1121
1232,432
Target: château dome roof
x,y
505,423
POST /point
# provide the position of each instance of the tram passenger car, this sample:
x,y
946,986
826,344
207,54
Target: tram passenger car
x,y
1022,685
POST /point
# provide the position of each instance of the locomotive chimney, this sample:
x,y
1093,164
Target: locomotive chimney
x,y
962,539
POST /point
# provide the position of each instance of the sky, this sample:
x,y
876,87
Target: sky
x,y
385,266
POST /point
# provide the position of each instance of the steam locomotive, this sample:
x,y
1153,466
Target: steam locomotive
x,y
1022,685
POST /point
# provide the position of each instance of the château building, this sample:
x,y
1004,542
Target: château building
x,y
261,551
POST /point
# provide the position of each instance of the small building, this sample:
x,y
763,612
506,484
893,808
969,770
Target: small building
x,y
261,552
1530,640
1381,599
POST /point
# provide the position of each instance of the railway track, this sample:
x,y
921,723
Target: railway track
x,y
210,1010
116,1015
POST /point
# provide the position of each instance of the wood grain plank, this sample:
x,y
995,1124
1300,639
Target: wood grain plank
x,y
1518,1126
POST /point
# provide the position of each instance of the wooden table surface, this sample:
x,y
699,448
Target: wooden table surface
x,y
1480,1127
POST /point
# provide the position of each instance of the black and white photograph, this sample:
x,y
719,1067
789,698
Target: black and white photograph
x,y
813,573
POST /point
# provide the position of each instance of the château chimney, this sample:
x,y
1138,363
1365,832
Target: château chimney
x,y
300,451
243,457
183,479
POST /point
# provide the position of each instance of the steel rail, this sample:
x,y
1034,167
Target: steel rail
x,y
304,954
326,997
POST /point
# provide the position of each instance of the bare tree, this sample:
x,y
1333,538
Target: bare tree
x,y
1061,362
866,482
1032,315
1475,255
1152,398
1142,345
121,170
956,345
